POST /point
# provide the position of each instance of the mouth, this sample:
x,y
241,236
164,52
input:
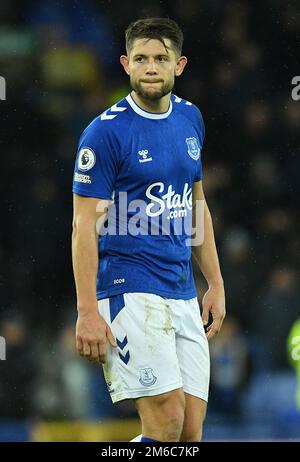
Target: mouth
x,y
151,81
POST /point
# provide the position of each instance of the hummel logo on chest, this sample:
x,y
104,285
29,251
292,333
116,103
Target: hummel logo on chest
x,y
144,156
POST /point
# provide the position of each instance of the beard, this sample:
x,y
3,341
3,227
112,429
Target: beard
x,y
152,94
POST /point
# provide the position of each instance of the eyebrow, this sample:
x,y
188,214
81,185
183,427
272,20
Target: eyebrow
x,y
145,56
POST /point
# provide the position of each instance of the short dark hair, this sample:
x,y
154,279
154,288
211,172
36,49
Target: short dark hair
x,y
155,28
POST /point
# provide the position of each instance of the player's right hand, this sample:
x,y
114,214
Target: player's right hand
x,y
92,334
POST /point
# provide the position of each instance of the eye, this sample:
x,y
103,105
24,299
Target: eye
x,y
139,59
162,59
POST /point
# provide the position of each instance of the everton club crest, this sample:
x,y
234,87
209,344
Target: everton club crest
x,y
193,147
146,377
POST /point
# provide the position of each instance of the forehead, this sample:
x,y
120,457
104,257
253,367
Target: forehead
x,y
150,47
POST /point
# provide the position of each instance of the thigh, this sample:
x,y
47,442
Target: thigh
x,y
195,412
153,407
162,416
145,362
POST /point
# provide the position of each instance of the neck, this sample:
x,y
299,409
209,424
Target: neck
x,y
158,106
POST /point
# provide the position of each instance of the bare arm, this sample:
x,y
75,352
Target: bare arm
x,y
92,331
207,258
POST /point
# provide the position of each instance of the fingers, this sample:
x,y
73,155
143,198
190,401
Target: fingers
x,y
96,355
94,352
214,328
91,351
205,314
211,332
79,345
102,344
83,348
102,351
93,347
206,306
111,338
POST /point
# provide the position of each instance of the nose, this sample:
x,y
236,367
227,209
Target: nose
x,y
151,68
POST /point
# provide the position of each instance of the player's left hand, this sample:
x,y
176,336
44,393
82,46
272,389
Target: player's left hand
x,y
214,302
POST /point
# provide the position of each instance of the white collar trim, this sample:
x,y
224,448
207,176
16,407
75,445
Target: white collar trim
x,y
148,115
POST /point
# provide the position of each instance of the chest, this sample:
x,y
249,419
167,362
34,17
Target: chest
x,y
161,152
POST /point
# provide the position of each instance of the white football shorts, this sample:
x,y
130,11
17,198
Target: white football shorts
x,y
162,346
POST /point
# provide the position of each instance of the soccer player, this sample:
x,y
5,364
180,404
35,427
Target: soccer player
x,y
137,183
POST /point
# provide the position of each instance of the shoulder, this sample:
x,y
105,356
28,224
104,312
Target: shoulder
x,y
109,122
189,110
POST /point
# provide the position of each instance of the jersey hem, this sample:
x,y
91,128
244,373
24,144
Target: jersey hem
x,y
163,293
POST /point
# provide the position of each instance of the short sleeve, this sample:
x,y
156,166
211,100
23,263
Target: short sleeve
x,y
96,164
200,127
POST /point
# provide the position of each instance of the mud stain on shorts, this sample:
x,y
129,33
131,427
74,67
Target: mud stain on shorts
x,y
168,324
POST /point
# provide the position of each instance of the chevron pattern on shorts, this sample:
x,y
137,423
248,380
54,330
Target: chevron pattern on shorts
x,y
125,358
122,344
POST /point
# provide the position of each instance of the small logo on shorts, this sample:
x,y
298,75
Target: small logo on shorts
x,y
110,387
146,377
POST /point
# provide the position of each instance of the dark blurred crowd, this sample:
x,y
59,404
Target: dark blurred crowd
x,y
61,64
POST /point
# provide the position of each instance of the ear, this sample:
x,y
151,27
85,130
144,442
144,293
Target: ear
x,y
181,63
125,63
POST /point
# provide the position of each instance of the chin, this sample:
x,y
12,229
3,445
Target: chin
x,y
153,95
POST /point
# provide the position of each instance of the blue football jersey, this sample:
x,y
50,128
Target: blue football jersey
x,y
146,164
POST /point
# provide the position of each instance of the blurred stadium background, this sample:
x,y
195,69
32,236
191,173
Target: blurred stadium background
x,y
60,62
